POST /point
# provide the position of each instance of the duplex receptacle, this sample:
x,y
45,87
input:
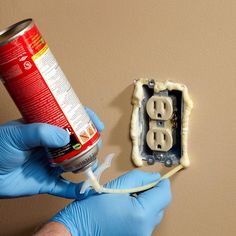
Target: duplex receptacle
x,y
159,124
163,127
159,107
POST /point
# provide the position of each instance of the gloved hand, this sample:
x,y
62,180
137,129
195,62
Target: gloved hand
x,y
119,214
24,168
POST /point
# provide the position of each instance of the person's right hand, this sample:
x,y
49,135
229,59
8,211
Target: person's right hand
x,y
24,168
117,214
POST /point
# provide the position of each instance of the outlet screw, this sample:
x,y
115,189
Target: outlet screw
x,y
151,83
150,160
168,162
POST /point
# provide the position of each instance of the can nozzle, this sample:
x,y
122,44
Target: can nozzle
x,y
94,177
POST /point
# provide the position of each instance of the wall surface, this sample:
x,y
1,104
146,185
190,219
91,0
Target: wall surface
x,y
102,47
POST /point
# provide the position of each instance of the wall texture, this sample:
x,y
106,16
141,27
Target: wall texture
x,y
103,46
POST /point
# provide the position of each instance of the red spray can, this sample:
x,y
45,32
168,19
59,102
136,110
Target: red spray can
x,y
42,93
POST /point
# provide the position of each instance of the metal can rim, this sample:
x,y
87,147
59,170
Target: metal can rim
x,y
15,35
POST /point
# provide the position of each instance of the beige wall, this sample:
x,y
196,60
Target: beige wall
x,y
103,46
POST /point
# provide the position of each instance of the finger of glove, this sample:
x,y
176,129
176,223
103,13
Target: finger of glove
x,y
95,165
155,220
38,134
67,189
99,143
159,218
132,179
156,199
93,116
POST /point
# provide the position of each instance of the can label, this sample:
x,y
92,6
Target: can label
x,y
42,93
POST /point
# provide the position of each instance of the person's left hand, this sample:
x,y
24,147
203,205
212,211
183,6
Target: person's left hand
x,y
24,168
116,214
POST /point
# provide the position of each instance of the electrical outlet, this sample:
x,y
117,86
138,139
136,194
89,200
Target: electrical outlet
x,y
159,107
159,124
159,139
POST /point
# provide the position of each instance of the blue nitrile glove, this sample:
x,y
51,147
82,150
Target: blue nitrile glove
x,y
119,214
24,168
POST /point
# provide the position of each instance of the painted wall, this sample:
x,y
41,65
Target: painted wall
x,y
102,47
